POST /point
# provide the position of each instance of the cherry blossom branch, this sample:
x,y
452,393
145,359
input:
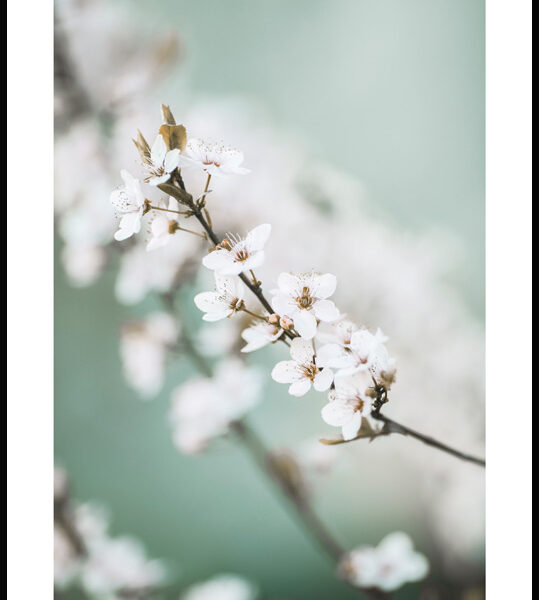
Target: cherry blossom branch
x,y
199,211
263,458
390,426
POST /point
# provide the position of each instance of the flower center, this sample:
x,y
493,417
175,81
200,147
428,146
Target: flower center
x,y
309,371
241,255
305,301
360,404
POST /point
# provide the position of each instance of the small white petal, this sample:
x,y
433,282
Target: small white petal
x,y
158,151
300,388
323,380
350,429
218,260
286,372
325,310
301,350
324,285
257,237
305,324
288,284
172,160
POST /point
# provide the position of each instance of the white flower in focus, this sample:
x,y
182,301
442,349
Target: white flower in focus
x,y
226,300
163,162
235,255
347,406
215,159
304,298
203,408
260,334
366,352
115,564
222,587
388,566
129,201
163,226
301,372
143,351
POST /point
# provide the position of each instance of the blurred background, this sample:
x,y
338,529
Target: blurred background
x,y
363,122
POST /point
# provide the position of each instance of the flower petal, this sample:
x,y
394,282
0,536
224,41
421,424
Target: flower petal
x,y
305,324
300,388
323,380
324,285
286,372
350,429
158,151
257,237
301,350
172,160
337,413
325,310
288,284
209,302
218,260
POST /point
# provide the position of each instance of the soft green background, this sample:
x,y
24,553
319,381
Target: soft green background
x,y
390,91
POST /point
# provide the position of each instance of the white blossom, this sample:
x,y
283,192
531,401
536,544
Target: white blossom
x,y
348,405
366,352
260,334
222,587
120,563
214,158
214,339
83,263
235,255
226,300
129,201
304,298
162,162
388,566
143,350
301,372
163,226
203,408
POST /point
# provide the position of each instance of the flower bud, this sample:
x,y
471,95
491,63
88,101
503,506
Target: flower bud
x,y
273,319
286,322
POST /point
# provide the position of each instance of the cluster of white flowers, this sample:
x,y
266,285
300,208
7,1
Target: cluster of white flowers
x,y
395,270
143,349
203,408
388,566
105,565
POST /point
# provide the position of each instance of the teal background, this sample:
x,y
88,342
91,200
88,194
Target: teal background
x,y
390,91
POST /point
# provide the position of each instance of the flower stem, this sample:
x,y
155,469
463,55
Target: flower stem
x,y
394,427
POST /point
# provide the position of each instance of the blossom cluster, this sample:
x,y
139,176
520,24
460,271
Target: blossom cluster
x,y
327,351
85,554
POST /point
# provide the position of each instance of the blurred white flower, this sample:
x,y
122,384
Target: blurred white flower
x,y
304,298
142,272
115,564
217,338
388,566
260,334
301,372
222,587
316,457
366,352
83,263
66,561
347,405
338,332
143,351
235,255
163,226
226,300
129,201
203,408
214,158
162,162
